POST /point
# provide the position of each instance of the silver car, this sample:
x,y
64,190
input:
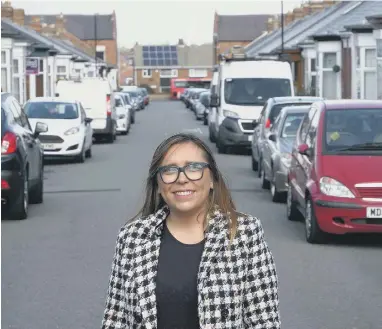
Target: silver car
x,y
201,107
277,151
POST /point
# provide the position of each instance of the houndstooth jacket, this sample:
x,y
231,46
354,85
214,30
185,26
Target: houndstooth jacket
x,y
237,283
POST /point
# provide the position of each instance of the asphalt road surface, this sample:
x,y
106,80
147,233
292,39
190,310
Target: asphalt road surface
x,y
56,264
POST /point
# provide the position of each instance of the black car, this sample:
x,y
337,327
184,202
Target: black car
x,y
22,177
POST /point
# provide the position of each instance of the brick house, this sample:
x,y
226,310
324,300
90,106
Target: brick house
x,y
232,30
97,31
126,67
155,65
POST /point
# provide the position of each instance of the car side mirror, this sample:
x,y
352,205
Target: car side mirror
x,y
272,137
304,149
214,102
255,123
40,128
88,120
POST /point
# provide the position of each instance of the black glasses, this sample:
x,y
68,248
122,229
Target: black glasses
x,y
193,171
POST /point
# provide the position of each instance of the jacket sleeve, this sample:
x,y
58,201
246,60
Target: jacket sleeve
x,y
114,315
261,300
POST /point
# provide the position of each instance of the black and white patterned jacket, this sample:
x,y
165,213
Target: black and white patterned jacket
x,y
237,283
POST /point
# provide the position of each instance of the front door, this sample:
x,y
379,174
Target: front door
x,y
165,85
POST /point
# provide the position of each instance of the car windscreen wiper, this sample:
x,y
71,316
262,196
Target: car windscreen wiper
x,y
361,147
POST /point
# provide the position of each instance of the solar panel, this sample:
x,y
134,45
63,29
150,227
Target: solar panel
x,y
160,55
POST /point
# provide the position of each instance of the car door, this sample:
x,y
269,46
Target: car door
x,y
87,127
32,144
269,147
257,132
302,161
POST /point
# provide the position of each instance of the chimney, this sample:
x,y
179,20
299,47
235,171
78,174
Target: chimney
x,y
36,23
19,16
181,42
60,24
6,10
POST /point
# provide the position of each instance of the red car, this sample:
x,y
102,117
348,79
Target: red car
x,y
335,176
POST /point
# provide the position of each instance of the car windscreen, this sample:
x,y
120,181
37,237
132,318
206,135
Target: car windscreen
x,y
51,110
126,99
291,124
352,130
133,94
254,91
276,109
118,102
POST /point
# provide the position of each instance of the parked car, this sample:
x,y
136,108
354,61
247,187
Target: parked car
x,y
70,132
335,178
146,97
132,109
277,151
267,117
97,98
194,99
202,106
136,99
123,115
22,163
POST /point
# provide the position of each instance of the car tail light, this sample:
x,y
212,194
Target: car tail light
x,y
9,143
4,185
268,123
108,105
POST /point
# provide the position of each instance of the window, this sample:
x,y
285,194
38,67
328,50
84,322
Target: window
x,y
16,111
3,57
41,67
100,55
4,79
312,132
366,73
329,78
146,73
61,72
198,73
168,73
291,124
15,66
16,87
329,60
306,123
254,91
313,65
370,58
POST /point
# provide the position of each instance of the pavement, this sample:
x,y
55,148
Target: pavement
x,y
56,264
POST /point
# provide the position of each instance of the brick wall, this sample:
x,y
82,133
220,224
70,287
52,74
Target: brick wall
x,y
111,49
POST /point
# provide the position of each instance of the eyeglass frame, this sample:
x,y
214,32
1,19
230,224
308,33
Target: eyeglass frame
x,y
182,170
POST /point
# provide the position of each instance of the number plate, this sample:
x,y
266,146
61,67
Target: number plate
x,y
374,212
250,138
48,146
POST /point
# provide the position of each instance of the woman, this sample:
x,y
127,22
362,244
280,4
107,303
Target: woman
x,y
191,260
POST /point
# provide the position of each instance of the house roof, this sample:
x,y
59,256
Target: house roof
x,y
241,27
355,15
32,36
188,56
83,26
298,31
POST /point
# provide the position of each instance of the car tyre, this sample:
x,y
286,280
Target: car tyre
x,y
88,153
36,195
19,210
292,212
264,182
313,232
81,157
255,164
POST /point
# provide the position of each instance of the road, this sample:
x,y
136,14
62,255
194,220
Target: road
x,y
56,264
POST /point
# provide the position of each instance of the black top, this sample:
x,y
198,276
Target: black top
x,y
176,286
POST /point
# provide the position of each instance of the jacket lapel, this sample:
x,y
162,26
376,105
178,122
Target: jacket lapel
x,y
147,266
216,239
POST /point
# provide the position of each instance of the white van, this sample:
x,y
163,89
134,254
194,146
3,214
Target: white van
x,y
244,86
97,97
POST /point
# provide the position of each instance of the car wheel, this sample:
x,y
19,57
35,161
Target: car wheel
x,y
36,195
81,157
264,182
292,212
255,164
313,232
19,210
222,149
211,136
88,153
276,195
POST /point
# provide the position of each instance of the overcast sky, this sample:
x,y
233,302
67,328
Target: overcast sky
x,y
158,21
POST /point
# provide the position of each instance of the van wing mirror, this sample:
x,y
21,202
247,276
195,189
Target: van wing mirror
x,y
214,102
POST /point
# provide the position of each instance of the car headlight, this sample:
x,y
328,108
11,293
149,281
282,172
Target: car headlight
x,y
230,114
286,159
72,131
332,187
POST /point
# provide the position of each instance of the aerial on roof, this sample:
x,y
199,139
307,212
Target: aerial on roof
x,y
84,27
241,27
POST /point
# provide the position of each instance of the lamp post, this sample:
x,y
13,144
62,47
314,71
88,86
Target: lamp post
x,y
282,27
95,44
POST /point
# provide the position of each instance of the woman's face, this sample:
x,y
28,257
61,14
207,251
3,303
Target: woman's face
x,y
185,195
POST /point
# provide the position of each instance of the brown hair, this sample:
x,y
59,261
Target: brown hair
x,y
220,197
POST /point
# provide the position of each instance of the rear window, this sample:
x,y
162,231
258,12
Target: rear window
x,y
276,109
51,110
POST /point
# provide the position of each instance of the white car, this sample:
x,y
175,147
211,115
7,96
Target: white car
x,y
69,134
123,114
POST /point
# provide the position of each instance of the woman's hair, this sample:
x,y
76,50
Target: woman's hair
x,y
220,196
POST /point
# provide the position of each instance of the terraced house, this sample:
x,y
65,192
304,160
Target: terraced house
x,y
335,53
